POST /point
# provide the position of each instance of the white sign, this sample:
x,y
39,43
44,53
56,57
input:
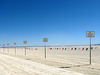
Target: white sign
x,y
8,44
3,44
45,39
14,43
90,34
25,42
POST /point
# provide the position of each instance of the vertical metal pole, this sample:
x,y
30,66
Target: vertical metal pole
x,y
90,50
25,50
45,49
8,49
3,49
15,49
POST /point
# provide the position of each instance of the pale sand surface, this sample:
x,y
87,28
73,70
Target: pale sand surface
x,y
69,60
16,66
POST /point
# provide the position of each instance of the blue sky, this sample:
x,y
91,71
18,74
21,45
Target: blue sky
x,y
63,22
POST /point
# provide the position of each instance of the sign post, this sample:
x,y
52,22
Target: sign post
x,y
45,40
25,42
3,47
8,47
15,47
90,34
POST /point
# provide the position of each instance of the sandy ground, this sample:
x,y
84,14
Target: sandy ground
x,y
16,66
70,61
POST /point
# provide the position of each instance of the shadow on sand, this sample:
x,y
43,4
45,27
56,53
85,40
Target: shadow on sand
x,y
76,66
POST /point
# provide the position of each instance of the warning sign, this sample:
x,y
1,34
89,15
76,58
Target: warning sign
x,y
45,39
90,34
